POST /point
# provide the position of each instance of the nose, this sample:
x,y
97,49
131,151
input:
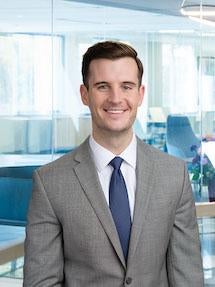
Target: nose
x,y
115,95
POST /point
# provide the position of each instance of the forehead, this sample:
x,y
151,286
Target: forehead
x,y
106,70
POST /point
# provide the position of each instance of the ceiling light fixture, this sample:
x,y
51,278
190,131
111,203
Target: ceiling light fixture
x,y
200,12
195,10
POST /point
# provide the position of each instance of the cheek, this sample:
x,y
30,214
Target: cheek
x,y
97,101
135,103
95,105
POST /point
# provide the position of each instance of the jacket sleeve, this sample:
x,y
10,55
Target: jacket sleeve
x,y
43,263
184,261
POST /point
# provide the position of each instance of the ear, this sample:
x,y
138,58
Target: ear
x,y
84,95
141,94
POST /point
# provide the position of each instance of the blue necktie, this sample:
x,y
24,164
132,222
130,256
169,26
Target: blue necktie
x,y
119,205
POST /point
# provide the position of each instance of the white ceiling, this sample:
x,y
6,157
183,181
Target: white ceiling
x,y
63,16
170,7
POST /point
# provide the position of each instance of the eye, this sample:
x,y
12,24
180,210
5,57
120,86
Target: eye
x,y
127,87
102,87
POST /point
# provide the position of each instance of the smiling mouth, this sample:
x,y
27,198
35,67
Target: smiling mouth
x,y
114,111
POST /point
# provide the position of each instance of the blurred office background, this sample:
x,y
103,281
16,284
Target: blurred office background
x,y
42,117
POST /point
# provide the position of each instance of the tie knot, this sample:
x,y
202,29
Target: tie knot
x,y
116,162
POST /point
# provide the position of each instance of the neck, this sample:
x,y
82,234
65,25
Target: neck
x,y
116,143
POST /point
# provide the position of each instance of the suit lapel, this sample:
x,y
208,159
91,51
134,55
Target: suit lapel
x,y
88,178
144,171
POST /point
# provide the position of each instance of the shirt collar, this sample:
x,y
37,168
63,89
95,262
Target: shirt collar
x,y
102,156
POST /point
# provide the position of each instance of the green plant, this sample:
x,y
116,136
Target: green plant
x,y
201,168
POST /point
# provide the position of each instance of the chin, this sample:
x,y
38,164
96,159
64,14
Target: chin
x,y
119,130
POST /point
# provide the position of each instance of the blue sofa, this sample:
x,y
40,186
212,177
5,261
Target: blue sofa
x,y
15,194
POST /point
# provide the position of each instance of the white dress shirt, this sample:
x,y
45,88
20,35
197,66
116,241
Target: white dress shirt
x,y
102,158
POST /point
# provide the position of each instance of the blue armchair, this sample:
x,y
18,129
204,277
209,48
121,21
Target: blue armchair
x,y
15,194
180,137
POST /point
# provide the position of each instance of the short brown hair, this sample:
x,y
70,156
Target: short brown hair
x,y
109,50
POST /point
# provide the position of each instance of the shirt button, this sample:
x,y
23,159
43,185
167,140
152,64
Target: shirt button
x,y
128,280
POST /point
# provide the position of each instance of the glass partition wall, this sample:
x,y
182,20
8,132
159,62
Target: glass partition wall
x,y
41,114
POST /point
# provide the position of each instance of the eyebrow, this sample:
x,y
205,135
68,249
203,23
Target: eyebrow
x,y
124,82
130,83
101,83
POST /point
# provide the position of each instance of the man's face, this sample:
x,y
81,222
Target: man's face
x,y
113,95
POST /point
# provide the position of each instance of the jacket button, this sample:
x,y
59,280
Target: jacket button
x,y
128,280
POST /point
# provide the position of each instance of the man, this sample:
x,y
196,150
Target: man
x,y
114,212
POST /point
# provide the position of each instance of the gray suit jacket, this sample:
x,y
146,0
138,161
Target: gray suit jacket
x,y
71,239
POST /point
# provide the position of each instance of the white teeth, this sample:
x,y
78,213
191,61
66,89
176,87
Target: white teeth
x,y
115,111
